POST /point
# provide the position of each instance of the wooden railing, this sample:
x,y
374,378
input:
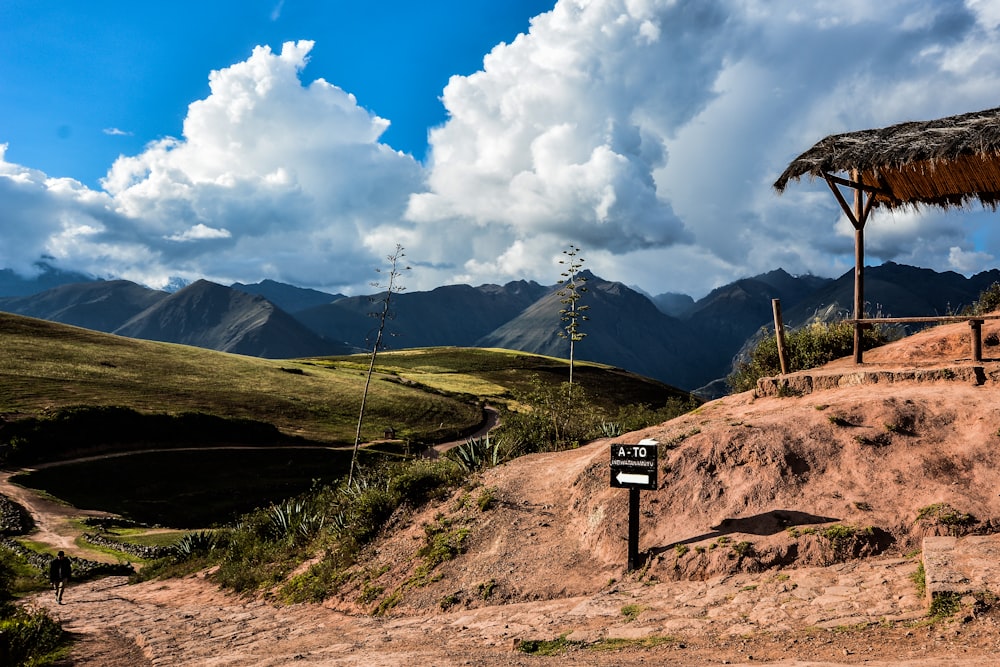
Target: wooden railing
x,y
975,324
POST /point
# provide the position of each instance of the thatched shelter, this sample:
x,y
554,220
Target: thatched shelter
x,y
946,163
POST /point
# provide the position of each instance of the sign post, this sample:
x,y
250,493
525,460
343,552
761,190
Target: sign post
x,y
633,467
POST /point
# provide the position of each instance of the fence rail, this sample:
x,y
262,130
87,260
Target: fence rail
x,y
975,324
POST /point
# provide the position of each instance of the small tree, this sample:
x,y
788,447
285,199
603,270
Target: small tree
x,y
573,287
391,286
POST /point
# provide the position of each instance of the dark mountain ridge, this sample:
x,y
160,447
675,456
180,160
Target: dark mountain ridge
x,y
449,315
98,305
689,349
208,315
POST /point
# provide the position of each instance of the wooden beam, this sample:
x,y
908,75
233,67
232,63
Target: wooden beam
x,y
859,269
929,319
779,336
855,185
840,198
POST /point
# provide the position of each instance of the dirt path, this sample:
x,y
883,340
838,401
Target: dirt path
x,y
805,617
492,418
189,622
53,520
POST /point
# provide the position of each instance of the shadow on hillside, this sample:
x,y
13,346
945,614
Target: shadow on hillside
x,y
768,523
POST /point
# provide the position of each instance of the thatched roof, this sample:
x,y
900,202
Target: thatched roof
x,y
946,162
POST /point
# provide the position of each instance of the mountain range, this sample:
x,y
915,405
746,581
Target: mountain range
x,y
687,343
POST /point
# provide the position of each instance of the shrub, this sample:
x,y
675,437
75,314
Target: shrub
x,y
808,347
27,637
422,480
442,543
558,417
989,300
486,499
196,544
476,454
943,514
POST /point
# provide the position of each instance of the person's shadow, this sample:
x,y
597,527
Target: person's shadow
x,y
768,523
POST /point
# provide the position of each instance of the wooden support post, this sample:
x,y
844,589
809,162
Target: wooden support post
x,y
779,336
859,268
977,339
633,529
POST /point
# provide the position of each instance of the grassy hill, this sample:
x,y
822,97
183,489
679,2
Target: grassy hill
x,y
427,395
67,392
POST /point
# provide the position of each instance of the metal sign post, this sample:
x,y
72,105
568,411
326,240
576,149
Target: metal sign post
x,y
633,467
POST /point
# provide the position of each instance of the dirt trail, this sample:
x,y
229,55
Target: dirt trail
x,y
190,622
52,519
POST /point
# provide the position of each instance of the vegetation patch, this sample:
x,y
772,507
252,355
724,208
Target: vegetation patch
x,y
943,514
486,589
631,612
27,637
620,644
808,347
919,577
548,647
944,605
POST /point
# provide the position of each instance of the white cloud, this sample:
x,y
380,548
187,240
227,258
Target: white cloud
x,y
279,178
965,261
200,232
647,132
115,132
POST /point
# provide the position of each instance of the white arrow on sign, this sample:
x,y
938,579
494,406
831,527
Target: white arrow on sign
x,y
628,478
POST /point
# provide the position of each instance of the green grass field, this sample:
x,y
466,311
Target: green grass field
x,y
426,395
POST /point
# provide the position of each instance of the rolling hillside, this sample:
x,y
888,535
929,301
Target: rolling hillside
x,y
692,349
429,395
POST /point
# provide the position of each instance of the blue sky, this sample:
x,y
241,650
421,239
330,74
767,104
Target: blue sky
x,y
83,82
301,141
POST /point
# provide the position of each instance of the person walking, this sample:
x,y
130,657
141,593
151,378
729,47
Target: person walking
x,y
59,573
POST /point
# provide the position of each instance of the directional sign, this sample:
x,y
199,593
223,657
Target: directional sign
x,y
634,466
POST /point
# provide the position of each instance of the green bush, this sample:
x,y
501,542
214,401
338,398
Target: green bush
x,y
26,637
476,454
419,481
808,347
558,417
29,638
989,300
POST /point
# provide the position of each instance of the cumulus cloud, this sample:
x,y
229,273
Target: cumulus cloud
x,y
558,137
272,178
964,261
646,132
649,132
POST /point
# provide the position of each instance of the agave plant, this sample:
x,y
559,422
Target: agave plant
x,y
362,484
295,519
476,454
611,429
194,544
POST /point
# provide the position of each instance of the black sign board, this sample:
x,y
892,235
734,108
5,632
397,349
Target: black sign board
x,y
634,466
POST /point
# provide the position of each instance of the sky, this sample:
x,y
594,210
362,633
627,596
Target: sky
x,y
303,142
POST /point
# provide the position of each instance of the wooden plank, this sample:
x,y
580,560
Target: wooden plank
x,y
855,185
920,320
